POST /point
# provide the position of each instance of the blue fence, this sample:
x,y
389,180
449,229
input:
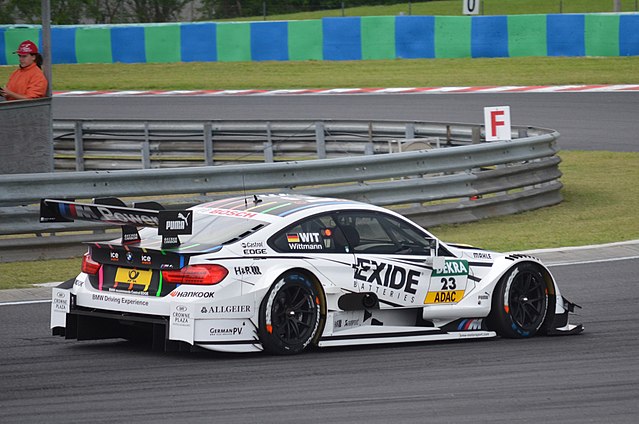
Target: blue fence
x,y
351,38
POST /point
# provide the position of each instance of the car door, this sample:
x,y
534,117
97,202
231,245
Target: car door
x,y
393,259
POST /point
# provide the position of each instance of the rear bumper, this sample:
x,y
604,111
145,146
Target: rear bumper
x,y
89,324
181,330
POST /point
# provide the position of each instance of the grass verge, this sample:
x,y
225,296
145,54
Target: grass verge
x,y
599,207
454,8
347,74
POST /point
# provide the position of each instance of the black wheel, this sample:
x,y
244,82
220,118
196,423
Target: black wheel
x,y
520,302
290,315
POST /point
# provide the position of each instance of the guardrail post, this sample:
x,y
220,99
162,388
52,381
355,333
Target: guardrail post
x,y
79,147
146,148
409,132
476,135
320,140
522,133
369,149
208,143
268,145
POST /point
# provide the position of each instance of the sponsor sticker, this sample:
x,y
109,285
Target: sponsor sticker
x,y
232,213
247,270
241,307
470,324
386,280
228,331
482,255
449,296
118,300
61,301
347,320
224,329
133,277
193,295
447,281
60,305
181,322
225,309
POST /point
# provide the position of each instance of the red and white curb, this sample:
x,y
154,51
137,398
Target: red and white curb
x,y
404,90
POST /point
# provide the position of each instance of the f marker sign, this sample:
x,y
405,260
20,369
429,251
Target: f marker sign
x,y
497,123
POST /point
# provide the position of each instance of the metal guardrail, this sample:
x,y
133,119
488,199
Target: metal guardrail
x,y
458,182
132,144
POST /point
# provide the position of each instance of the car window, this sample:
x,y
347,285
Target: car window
x,y
384,234
316,234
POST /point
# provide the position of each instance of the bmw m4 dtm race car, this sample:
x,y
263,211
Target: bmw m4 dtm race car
x,y
281,273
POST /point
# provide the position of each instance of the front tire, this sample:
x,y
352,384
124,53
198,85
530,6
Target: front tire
x,y
520,302
290,315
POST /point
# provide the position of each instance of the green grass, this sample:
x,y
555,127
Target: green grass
x,y
16,275
599,207
454,8
329,74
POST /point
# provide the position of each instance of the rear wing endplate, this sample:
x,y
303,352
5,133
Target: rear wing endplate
x,y
111,210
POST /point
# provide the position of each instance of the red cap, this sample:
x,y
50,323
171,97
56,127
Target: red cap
x,y
27,47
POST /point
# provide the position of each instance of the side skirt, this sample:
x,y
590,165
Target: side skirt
x,y
391,334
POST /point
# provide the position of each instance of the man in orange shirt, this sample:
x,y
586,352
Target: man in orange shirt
x,y
28,81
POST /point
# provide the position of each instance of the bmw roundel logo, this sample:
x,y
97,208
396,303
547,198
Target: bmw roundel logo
x,y
129,256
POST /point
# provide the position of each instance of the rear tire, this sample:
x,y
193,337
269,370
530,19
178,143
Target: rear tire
x,y
290,315
520,302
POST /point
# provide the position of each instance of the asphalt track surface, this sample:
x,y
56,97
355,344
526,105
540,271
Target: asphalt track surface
x,y
593,377
586,121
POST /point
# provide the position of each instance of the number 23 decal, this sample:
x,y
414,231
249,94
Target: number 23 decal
x,y
448,283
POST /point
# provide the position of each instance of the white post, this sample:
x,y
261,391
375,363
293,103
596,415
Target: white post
x,y
471,7
616,6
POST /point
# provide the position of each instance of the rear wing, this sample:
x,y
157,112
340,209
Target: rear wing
x,y
111,210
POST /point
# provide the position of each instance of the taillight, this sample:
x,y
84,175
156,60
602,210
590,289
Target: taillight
x,y
89,265
204,275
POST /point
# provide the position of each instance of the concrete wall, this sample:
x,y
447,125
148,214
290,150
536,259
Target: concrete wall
x,y
26,141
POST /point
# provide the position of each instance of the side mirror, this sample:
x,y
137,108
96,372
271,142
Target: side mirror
x,y
433,245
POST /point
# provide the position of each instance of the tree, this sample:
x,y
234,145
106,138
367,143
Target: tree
x,y
156,10
105,11
63,12
6,12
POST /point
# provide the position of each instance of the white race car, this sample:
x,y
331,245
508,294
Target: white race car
x,y
281,273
